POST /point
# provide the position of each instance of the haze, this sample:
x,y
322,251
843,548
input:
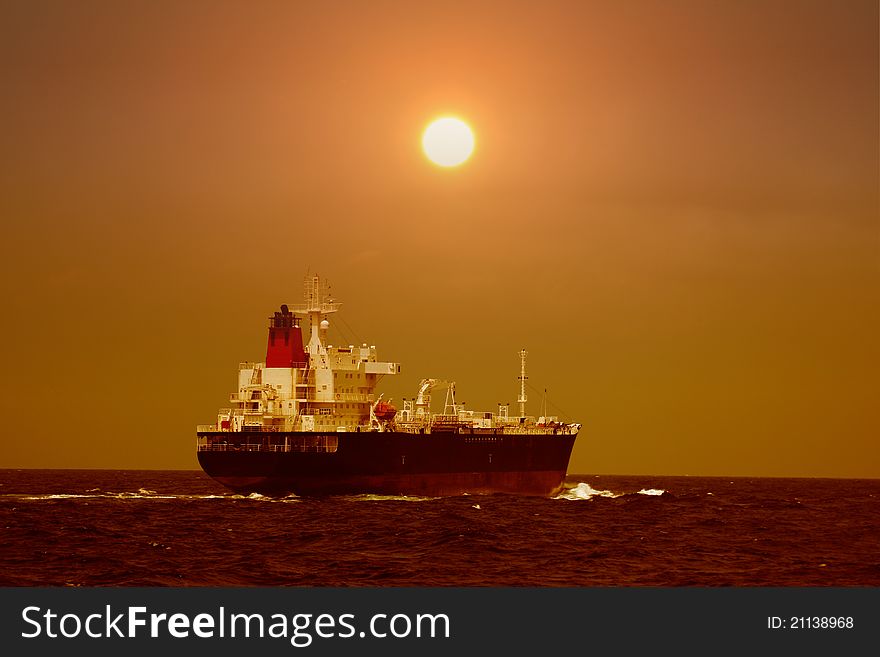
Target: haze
x,y
673,207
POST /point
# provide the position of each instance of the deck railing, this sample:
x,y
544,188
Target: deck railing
x,y
316,444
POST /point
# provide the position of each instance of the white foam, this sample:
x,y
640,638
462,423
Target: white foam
x,y
651,491
116,496
152,495
369,497
140,495
583,491
60,496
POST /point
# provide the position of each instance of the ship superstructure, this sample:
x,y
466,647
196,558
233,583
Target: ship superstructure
x,y
316,387
308,420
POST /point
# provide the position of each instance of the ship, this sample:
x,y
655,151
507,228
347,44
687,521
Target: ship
x,y
308,422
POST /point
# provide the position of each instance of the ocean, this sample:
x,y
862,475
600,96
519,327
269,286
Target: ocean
x,y
180,528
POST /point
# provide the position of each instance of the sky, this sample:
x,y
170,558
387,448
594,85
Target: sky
x,y
673,205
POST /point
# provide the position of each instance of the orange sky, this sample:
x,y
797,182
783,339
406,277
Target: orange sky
x,y
673,206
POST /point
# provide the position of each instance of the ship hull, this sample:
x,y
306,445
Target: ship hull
x,y
387,463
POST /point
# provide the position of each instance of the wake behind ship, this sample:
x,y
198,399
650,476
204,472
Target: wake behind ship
x,y
307,421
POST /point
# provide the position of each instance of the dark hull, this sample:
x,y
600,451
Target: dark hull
x,y
389,463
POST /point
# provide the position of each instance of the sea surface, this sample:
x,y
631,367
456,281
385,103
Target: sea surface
x,y
179,528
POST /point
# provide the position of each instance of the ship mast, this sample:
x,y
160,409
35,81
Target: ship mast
x,y
318,303
522,383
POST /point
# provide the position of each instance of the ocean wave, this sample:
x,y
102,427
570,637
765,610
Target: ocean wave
x,y
148,495
624,537
256,497
583,491
370,497
60,496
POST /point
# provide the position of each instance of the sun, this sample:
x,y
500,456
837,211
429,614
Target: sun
x,y
448,141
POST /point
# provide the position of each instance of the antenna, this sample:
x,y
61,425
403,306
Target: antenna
x,y
317,297
450,401
522,383
318,303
